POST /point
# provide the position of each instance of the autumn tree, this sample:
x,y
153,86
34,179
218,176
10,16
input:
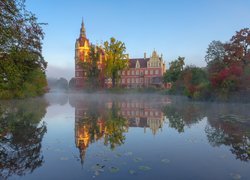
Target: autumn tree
x,y
116,61
238,49
195,81
22,66
228,64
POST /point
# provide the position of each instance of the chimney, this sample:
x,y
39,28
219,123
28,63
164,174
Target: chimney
x,y
145,55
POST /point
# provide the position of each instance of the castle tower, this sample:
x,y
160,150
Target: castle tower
x,y
82,47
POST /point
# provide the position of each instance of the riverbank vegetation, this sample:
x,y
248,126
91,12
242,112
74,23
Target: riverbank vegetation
x,y
22,66
226,76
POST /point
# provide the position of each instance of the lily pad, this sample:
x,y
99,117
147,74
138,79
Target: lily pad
x,y
64,158
118,155
98,168
114,169
128,154
106,159
144,168
132,172
166,161
235,176
138,159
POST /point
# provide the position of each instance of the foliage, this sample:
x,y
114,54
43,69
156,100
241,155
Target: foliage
x,y
175,69
72,83
91,69
117,60
215,52
238,49
229,73
20,51
196,82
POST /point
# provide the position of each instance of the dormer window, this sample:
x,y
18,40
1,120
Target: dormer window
x,y
137,64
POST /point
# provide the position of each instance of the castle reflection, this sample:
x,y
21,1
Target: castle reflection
x,y
111,117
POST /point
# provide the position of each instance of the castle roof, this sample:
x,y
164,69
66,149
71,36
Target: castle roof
x,y
142,61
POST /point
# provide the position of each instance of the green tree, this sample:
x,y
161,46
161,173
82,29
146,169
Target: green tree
x,y
20,49
195,81
90,67
215,52
116,61
175,69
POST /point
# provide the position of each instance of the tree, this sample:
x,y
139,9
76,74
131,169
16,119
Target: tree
x,y
90,67
175,68
20,49
215,52
117,60
196,82
238,49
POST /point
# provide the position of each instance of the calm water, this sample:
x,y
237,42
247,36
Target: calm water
x,y
123,137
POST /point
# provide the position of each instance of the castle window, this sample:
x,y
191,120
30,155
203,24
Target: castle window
x,y
137,72
146,71
157,71
128,72
151,72
123,72
128,80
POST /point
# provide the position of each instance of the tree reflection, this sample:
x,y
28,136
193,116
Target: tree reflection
x,y
116,126
230,126
21,134
183,113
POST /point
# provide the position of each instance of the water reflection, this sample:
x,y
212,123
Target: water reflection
x,y
137,135
21,134
230,125
110,118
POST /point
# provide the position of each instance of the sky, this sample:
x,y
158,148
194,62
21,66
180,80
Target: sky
x,y
171,27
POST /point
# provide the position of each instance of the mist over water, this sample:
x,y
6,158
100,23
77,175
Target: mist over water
x,y
136,136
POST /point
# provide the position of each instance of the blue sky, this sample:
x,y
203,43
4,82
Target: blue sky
x,y
173,28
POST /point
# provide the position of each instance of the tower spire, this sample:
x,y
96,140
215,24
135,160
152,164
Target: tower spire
x,y
83,31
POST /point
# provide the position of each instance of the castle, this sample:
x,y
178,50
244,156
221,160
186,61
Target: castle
x,y
82,49
141,72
